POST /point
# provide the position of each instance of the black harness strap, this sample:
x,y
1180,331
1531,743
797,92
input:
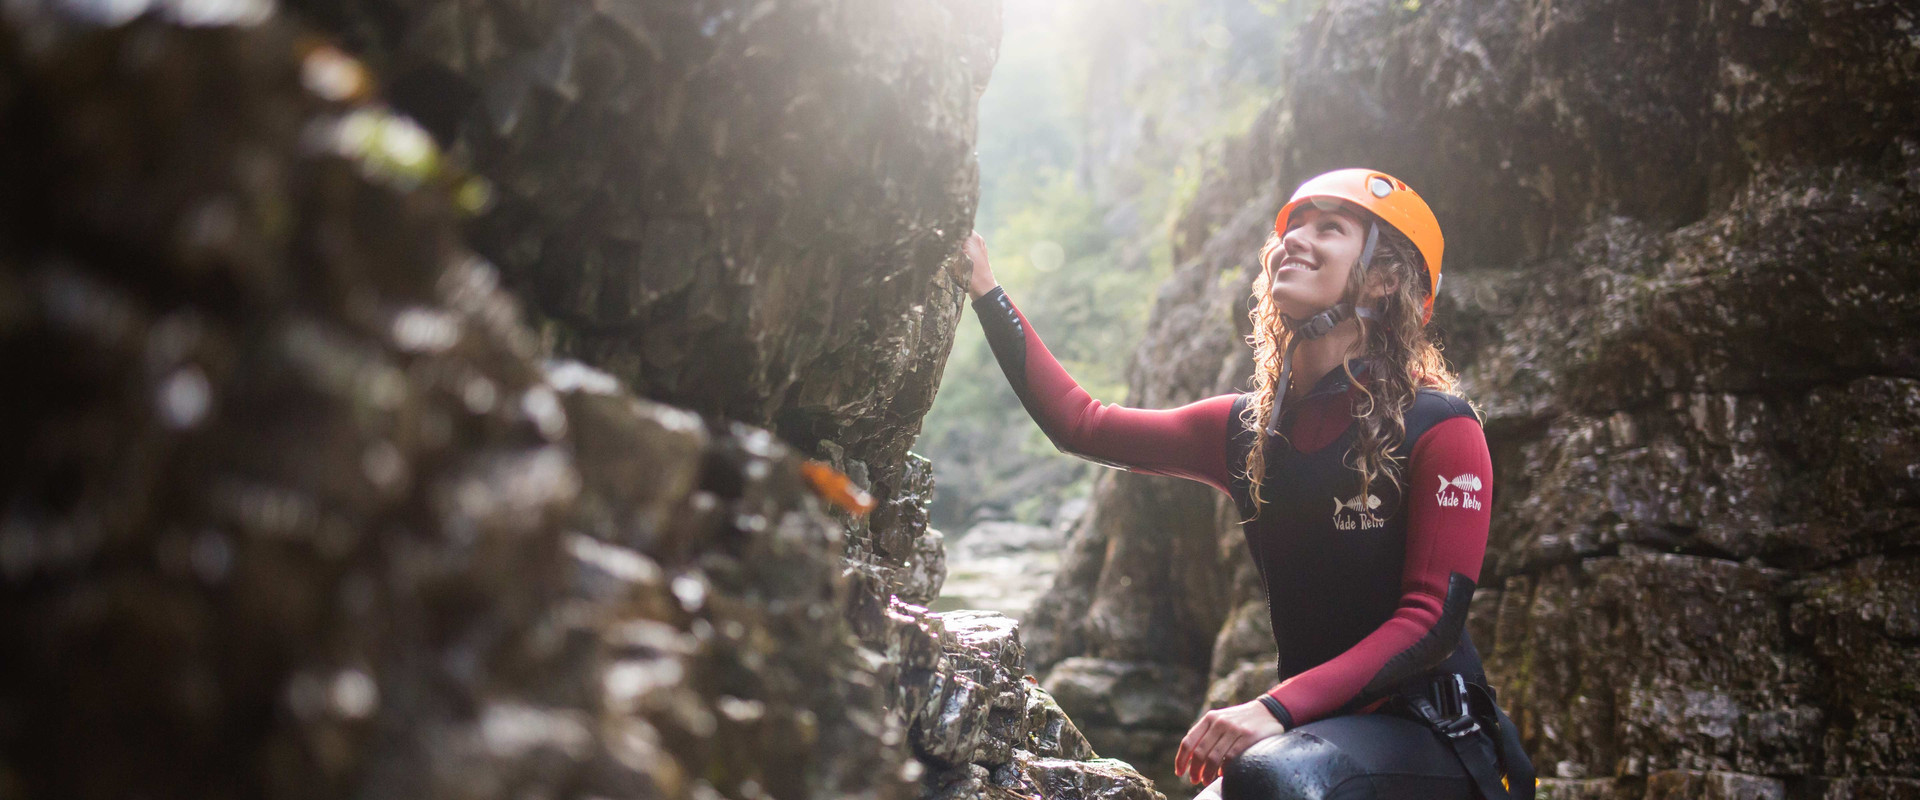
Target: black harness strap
x,y
1472,743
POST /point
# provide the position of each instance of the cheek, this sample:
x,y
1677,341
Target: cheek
x,y
1332,280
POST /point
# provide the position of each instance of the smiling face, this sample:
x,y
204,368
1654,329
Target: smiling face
x,y
1309,271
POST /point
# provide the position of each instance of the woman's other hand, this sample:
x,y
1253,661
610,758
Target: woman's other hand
x,y
1221,736
982,280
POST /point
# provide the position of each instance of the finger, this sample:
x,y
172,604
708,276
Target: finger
x,y
1222,756
1199,759
1203,752
1188,765
1195,765
1183,760
1222,747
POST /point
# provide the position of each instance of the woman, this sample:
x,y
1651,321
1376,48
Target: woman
x,y
1349,414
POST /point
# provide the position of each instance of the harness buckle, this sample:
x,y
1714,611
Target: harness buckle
x,y
1460,727
1449,693
1453,704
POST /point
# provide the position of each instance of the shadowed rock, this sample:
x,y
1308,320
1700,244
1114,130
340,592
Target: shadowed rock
x,y
1681,289
751,210
299,506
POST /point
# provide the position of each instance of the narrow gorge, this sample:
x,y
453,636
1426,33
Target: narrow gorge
x,y
492,398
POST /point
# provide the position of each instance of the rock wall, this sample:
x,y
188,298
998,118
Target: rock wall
x,y
298,504
783,185
1682,288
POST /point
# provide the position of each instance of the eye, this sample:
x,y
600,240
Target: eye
x,y
1329,226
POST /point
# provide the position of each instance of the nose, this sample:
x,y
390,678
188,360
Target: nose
x,y
1278,254
1295,242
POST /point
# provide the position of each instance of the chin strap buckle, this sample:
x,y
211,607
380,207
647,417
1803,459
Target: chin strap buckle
x,y
1322,323
1314,327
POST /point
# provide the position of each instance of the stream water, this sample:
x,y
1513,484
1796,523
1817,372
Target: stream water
x,y
1005,566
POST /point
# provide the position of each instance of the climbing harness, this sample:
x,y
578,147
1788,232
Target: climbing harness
x,y
1482,737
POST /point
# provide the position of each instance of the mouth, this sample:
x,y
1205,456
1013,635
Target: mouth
x,y
1292,262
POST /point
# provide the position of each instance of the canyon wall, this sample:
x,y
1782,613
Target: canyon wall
x,y
750,210
472,400
1682,289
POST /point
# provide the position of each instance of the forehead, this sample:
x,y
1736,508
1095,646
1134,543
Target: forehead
x,y
1314,210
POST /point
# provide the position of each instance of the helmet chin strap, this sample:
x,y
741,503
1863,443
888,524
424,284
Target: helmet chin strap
x,y
1317,326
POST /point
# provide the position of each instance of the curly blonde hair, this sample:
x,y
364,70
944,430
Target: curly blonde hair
x,y
1400,359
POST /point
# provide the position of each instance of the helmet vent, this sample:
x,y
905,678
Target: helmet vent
x,y
1379,186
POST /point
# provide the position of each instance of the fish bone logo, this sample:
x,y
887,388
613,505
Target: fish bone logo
x,y
1464,490
1356,513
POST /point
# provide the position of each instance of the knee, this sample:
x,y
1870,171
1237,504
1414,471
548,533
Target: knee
x,y
1291,766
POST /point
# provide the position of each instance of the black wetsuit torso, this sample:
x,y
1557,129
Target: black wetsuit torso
x,y
1368,591
1343,553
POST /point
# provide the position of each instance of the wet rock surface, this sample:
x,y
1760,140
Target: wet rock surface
x,y
1682,291
301,513
299,505
751,210
986,713
1794,476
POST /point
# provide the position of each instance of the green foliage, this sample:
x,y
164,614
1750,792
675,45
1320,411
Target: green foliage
x,y
1025,127
1092,139
1060,266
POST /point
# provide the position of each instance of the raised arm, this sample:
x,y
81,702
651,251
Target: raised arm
x,y
1449,489
1186,442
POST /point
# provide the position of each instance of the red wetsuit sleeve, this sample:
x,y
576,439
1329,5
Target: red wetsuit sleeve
x,y
1450,480
1185,442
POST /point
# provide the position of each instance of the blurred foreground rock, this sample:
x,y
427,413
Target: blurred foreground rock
x,y
1682,286
296,505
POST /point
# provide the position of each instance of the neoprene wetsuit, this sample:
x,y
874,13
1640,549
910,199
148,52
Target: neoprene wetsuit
x,y
1367,593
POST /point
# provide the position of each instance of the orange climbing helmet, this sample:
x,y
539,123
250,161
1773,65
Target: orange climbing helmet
x,y
1388,198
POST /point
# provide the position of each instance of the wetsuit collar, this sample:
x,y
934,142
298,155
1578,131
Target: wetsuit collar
x,y
1333,383
1336,379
